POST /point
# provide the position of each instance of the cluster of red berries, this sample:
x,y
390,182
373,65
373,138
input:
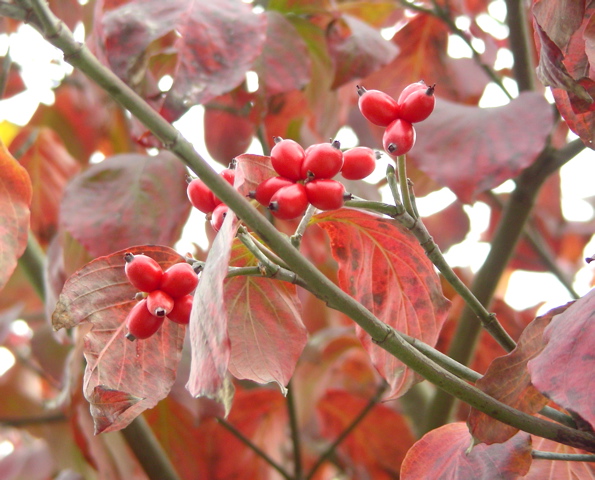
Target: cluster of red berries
x,y
202,198
305,176
165,294
415,103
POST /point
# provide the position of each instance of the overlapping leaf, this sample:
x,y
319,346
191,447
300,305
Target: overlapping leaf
x,y
508,381
15,203
209,337
50,167
563,371
454,152
122,378
443,453
377,446
143,200
251,171
382,265
206,47
265,325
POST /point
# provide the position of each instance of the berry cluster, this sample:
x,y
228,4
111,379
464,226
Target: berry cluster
x,y
415,103
165,294
305,176
202,198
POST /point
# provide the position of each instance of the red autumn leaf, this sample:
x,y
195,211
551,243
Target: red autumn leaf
x,y
284,116
122,378
382,265
29,458
558,469
15,204
209,338
563,370
264,324
284,64
143,200
192,42
423,43
14,81
251,171
443,453
50,167
378,444
450,137
356,49
508,381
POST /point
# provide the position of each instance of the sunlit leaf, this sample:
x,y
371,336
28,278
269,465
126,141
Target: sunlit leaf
x,y
15,203
444,453
122,378
209,338
563,369
382,265
265,325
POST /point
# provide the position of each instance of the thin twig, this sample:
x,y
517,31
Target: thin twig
x,y
564,457
295,435
403,185
255,448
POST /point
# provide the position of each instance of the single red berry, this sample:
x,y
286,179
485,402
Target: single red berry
x,y
409,89
229,174
179,280
358,163
141,323
218,215
325,193
267,189
143,272
418,105
201,197
377,107
181,311
159,303
322,160
289,202
398,138
287,157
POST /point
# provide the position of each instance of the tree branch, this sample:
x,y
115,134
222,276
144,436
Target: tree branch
x,y
80,57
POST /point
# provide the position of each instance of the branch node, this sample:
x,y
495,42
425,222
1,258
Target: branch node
x,y
389,332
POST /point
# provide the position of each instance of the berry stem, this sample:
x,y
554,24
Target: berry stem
x,y
391,178
404,186
296,238
267,267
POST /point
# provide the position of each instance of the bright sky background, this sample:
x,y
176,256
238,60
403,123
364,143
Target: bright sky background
x,y
43,68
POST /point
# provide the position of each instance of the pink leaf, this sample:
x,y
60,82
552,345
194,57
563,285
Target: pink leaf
x,y
122,378
209,339
382,265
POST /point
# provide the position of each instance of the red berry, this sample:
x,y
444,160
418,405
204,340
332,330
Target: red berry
x,y
377,107
218,216
267,189
179,280
181,311
142,272
398,138
159,303
141,323
358,163
409,89
325,193
418,105
229,174
289,202
201,197
287,157
322,160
